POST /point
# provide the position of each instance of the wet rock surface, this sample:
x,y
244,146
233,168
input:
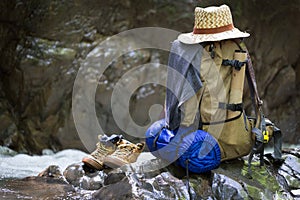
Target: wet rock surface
x,y
229,181
44,188
49,183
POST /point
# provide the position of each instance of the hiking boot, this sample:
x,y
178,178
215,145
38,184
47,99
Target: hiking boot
x,y
105,146
124,154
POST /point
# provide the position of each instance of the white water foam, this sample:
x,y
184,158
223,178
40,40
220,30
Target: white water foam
x,y
22,165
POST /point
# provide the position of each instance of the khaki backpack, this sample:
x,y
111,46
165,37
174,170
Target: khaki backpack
x,y
224,66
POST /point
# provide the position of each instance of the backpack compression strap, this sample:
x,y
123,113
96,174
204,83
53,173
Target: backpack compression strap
x,y
251,80
260,125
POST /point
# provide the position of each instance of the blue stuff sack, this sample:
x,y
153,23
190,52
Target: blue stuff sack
x,y
199,148
157,137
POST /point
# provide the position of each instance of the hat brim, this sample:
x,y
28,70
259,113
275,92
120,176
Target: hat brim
x,y
191,38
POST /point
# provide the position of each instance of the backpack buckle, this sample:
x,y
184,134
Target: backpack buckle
x,y
266,136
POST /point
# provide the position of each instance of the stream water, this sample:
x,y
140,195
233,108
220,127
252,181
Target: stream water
x,y
15,167
22,165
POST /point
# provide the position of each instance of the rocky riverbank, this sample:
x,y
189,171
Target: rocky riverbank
x,y
137,181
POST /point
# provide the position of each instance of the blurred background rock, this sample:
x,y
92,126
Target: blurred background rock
x,y
43,42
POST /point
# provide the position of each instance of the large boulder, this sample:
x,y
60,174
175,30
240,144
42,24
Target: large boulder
x,y
43,45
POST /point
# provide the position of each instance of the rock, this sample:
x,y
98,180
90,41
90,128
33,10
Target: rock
x,y
8,127
201,184
120,190
229,181
48,183
36,188
114,177
296,193
7,151
77,175
44,44
226,188
52,171
135,181
73,174
294,151
47,152
290,171
93,183
165,186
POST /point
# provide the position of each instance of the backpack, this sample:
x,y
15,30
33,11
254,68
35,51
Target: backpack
x,y
224,66
238,134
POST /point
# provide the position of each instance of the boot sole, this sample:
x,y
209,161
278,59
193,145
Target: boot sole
x,y
92,163
113,162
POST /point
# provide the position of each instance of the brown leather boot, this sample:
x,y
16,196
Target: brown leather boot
x,y
105,147
124,154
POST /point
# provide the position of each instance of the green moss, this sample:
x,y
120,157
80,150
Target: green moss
x,y
254,192
262,176
182,198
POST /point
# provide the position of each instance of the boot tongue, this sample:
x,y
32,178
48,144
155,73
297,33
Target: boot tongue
x,y
111,141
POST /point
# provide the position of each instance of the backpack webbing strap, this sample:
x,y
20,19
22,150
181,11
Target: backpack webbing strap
x,y
223,121
231,106
234,63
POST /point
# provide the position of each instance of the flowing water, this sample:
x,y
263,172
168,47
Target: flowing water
x,y
14,169
22,165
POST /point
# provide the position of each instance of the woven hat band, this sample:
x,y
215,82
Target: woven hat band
x,y
213,30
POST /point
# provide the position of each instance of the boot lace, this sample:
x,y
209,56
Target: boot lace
x,y
124,150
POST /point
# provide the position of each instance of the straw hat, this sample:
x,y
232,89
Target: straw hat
x,y
212,24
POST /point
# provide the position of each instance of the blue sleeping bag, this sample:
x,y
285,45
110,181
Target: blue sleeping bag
x,y
199,148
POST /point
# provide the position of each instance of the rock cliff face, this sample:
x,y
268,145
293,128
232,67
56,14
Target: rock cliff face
x,y
43,44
